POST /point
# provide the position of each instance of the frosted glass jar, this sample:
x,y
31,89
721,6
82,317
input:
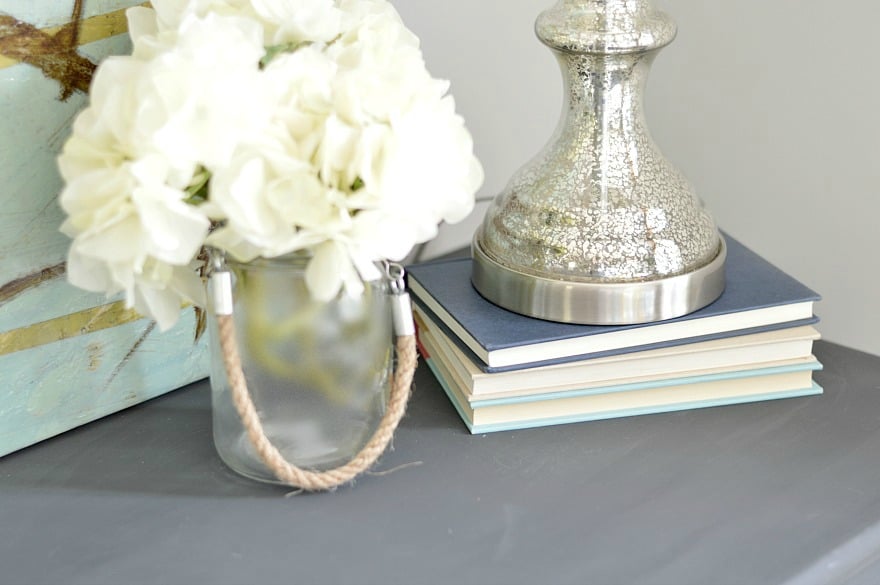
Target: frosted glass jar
x,y
318,372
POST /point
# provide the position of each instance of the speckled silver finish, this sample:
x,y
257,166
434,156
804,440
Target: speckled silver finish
x,y
601,204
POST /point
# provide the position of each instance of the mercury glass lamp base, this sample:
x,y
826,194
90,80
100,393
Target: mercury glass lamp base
x,y
593,303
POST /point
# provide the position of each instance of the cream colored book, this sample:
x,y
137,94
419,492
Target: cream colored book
x,y
482,415
766,349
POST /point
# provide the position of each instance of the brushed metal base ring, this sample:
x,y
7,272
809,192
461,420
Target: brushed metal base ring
x,y
591,303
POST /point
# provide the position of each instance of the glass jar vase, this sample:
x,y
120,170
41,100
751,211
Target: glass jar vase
x,y
318,372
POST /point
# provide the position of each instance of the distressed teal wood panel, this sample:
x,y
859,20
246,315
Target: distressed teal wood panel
x,y
33,125
56,377
56,387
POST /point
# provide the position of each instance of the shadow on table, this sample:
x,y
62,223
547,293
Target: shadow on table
x,y
161,446
164,446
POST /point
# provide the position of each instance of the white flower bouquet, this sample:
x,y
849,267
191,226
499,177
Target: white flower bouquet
x,y
260,128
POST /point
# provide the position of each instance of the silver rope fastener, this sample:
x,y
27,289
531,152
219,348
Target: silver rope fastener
x,y
401,306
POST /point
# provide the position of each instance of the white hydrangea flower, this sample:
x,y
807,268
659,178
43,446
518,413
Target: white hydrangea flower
x,y
330,270
262,196
298,21
314,122
135,234
207,92
382,71
282,21
447,196
170,14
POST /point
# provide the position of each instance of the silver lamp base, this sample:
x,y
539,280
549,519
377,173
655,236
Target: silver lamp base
x,y
600,228
584,302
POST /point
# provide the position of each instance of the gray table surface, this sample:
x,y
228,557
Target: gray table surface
x,y
777,492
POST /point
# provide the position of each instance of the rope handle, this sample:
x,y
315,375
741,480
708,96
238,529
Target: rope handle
x,y
401,384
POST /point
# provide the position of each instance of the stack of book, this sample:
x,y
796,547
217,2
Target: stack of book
x,y
503,371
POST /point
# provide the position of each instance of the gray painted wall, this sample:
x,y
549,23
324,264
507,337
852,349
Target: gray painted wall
x,y
769,107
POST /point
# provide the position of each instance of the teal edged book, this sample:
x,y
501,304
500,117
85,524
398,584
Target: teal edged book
x,y
759,297
540,409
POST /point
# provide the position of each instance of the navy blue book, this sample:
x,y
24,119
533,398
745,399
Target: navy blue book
x,y
759,297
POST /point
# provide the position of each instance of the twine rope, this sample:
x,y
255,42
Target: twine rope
x,y
401,384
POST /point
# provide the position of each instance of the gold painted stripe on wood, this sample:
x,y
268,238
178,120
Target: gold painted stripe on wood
x,y
95,28
65,327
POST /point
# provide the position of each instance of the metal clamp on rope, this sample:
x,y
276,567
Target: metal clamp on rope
x,y
221,291
401,306
221,284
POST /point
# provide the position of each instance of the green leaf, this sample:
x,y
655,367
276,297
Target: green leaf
x,y
198,190
273,51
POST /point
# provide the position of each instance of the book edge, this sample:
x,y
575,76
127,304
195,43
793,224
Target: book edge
x,y
488,368
488,352
474,376
813,390
467,412
808,364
